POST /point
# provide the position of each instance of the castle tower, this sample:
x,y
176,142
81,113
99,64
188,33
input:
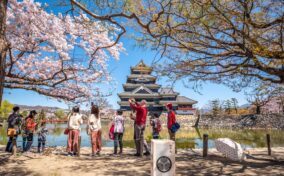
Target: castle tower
x,y
141,85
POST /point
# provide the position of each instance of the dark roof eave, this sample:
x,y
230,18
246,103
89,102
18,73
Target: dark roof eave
x,y
183,102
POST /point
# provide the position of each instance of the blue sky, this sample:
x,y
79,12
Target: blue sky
x,y
120,69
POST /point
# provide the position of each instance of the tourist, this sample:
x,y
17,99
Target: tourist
x,y
132,117
75,120
171,121
118,121
30,129
139,125
13,128
156,126
42,133
94,130
24,134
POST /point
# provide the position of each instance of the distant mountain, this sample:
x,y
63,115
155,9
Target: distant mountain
x,y
38,108
247,105
50,109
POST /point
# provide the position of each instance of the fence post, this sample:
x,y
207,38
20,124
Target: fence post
x,y
205,145
268,144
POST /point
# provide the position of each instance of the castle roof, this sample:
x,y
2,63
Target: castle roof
x,y
183,99
131,85
167,90
141,66
141,76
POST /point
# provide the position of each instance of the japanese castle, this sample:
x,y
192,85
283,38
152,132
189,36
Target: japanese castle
x,y
142,85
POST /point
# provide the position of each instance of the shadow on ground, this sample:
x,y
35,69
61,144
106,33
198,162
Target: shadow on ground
x,y
187,163
193,164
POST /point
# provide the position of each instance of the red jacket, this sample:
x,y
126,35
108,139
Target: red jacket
x,y
30,124
141,113
171,119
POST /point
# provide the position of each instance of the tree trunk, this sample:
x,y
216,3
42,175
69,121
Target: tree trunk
x,y
257,109
3,45
197,121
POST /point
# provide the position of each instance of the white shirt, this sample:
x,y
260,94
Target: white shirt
x,y
94,123
118,124
75,120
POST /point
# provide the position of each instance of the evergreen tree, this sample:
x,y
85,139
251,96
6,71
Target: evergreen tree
x,y
235,104
59,113
42,115
228,106
215,104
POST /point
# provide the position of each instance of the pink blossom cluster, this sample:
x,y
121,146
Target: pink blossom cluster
x,y
274,105
60,56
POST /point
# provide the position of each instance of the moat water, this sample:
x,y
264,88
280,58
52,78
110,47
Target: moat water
x,y
185,137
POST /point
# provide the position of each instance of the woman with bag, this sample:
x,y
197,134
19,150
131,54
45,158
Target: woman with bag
x,y
94,130
171,122
14,121
75,119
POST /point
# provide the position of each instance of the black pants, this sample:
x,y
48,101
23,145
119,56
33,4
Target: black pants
x,y
41,145
30,139
9,145
118,141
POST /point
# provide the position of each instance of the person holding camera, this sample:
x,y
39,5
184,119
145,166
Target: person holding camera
x,y
139,124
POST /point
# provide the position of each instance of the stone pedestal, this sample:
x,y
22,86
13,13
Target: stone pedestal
x,y
162,157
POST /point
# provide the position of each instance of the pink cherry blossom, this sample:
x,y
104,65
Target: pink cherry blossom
x,y
60,56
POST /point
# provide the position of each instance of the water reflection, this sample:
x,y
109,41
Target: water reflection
x,y
185,138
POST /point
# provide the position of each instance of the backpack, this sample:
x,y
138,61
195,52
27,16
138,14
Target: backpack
x,y
111,132
13,120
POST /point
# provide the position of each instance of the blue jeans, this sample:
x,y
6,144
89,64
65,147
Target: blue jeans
x,y
118,141
41,145
24,142
30,139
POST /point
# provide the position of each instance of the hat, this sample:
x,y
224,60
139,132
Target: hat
x,y
169,105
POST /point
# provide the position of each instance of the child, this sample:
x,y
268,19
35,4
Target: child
x,y
118,121
42,137
156,126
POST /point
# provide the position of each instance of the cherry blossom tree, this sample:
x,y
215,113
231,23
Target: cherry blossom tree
x,y
60,56
234,42
272,106
3,44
